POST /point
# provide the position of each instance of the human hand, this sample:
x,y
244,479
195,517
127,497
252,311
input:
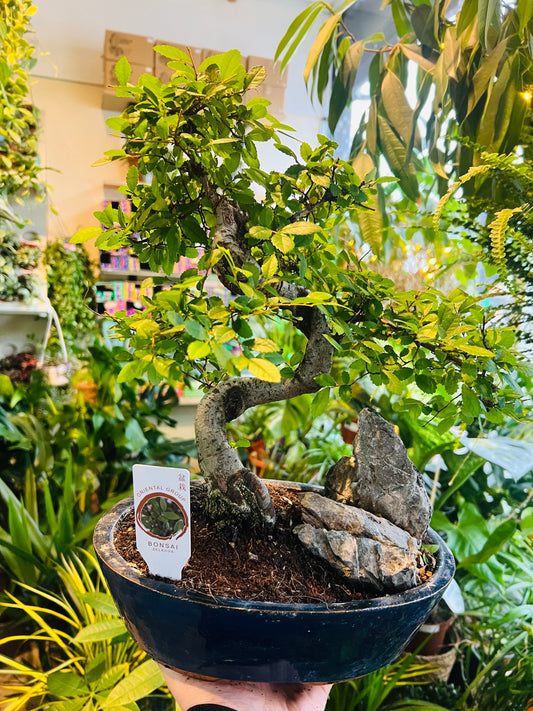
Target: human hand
x,y
245,696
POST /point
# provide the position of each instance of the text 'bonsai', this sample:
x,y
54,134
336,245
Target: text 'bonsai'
x,y
280,245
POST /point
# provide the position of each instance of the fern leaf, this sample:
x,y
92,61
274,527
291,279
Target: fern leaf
x,y
472,172
498,228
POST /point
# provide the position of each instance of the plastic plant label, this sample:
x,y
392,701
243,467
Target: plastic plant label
x,y
161,497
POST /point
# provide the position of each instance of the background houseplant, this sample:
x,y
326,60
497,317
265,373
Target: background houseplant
x,y
449,94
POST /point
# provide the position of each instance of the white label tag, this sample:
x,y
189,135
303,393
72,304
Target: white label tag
x,y
161,497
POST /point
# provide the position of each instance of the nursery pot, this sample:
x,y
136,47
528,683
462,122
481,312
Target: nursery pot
x,y
244,640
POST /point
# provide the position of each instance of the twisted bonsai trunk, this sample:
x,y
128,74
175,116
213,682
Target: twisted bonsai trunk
x,y
236,497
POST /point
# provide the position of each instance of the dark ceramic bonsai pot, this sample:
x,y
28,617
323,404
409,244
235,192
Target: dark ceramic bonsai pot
x,y
264,641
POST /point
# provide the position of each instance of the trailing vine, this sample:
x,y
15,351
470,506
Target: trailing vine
x,y
19,168
71,292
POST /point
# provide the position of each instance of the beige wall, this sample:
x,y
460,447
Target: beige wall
x,y
74,136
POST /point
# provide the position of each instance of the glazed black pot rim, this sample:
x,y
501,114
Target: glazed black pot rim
x,y
104,546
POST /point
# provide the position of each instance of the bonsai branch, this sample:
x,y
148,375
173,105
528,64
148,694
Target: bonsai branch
x,y
234,491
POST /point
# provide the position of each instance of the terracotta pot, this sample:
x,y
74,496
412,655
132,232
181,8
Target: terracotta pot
x,y
227,638
348,431
432,635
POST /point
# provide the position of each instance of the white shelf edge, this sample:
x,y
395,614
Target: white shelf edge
x,y
35,308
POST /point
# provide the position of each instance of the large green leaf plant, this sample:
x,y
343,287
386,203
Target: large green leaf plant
x,y
473,68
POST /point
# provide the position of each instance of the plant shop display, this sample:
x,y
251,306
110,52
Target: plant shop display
x,y
19,280
66,454
198,190
19,168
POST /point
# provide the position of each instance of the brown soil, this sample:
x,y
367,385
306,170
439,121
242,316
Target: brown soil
x,y
273,568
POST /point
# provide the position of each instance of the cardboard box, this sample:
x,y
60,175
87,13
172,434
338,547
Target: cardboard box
x,y
138,49
273,77
276,95
112,102
162,71
110,78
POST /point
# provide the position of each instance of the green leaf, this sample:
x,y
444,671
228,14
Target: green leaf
x,y
396,154
314,297
399,113
85,234
414,52
145,327
198,349
264,370
471,406
323,36
142,681
100,602
526,521
499,94
301,21
283,242
110,677
132,178
135,436
260,232
222,354
513,455
255,77
265,345
269,268
467,16
301,228
223,334
524,11
468,466
66,683
103,631
122,71
485,74
167,50
6,386
474,350
320,402
495,542
488,18
196,330
341,93
5,72
133,369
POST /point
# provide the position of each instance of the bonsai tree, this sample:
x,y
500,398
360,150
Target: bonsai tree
x,y
272,246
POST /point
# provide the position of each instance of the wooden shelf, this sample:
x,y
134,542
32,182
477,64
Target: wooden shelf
x,y
121,274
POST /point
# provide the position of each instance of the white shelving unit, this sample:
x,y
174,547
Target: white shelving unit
x,y
40,308
34,308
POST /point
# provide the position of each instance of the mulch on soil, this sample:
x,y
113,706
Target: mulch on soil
x,y
273,568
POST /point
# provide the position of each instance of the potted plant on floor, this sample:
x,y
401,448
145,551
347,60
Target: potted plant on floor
x,y
276,242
